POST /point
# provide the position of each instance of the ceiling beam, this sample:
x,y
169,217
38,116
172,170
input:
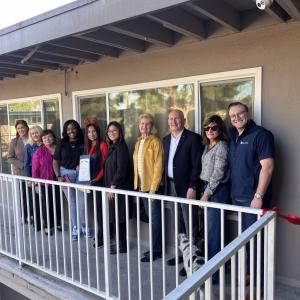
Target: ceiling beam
x,y
17,60
218,11
16,66
180,21
292,7
53,59
7,75
145,30
110,38
14,72
87,46
69,53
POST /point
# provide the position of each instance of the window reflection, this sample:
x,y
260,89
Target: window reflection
x,y
125,107
30,111
216,96
51,116
94,107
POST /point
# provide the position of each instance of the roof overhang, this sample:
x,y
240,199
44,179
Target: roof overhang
x,y
87,30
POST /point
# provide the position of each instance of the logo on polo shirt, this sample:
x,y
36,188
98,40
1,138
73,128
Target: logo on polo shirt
x,y
244,143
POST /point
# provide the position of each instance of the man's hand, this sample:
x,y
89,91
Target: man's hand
x,y
191,193
256,203
204,197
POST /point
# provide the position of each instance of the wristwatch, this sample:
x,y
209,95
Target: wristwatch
x,y
258,195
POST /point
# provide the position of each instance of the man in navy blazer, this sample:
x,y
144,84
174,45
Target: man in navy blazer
x,y
182,164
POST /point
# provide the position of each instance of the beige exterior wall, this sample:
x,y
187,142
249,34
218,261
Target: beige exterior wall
x,y
275,48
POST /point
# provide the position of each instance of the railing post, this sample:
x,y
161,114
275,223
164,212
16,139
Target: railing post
x,y
17,201
271,258
106,242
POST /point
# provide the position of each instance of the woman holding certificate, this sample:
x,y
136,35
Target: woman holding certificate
x,y
96,149
117,173
65,161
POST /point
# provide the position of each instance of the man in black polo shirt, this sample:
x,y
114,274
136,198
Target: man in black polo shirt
x,y
251,161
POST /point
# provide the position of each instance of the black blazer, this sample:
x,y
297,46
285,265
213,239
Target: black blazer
x,y
117,167
186,162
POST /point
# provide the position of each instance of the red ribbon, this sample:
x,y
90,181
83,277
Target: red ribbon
x,y
291,218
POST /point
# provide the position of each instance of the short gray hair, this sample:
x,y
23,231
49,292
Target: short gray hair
x,y
147,116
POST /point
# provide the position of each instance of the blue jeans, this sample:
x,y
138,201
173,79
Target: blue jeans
x,y
72,174
156,222
247,221
221,195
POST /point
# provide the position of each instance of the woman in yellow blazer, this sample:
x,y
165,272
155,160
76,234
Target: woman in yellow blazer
x,y
148,171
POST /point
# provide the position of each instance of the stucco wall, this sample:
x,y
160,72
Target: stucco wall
x,y
275,48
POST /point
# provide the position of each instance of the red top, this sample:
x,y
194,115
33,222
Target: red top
x,y
102,157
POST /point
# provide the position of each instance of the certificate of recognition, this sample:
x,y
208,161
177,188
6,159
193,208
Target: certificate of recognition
x,y
84,176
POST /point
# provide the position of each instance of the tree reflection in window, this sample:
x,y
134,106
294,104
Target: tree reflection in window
x,y
216,96
125,107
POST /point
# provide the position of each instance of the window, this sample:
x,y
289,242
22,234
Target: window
x,y
94,107
43,111
125,107
216,96
197,96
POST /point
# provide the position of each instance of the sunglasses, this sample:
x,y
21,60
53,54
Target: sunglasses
x,y
213,128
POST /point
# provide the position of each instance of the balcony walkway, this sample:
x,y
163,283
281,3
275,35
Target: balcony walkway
x,y
80,252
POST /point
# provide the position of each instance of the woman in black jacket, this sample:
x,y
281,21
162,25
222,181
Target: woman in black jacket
x,y
117,175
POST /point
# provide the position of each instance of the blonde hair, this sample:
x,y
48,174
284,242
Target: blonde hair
x,y
147,116
38,129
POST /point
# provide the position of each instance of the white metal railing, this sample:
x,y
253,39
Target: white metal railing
x,y
124,276
228,254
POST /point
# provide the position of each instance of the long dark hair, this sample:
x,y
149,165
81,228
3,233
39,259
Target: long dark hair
x,y
78,129
121,132
22,122
88,143
221,126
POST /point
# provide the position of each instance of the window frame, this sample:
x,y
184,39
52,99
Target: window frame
x,y
197,80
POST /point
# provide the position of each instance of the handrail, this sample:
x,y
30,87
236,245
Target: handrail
x,y
144,195
200,276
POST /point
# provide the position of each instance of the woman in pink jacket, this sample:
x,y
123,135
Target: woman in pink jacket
x,y
42,168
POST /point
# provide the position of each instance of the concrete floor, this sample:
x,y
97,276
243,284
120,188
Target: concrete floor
x,y
82,270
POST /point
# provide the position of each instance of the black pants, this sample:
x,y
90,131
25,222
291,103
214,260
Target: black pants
x,y
51,192
27,201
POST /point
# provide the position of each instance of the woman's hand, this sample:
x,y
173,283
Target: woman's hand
x,y
111,196
204,197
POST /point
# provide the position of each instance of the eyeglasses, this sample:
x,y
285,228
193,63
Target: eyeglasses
x,y
112,131
238,115
213,128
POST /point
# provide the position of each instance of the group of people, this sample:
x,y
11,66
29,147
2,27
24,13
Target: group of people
x,y
215,166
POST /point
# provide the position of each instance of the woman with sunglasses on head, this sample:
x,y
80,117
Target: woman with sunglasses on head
x,y
117,175
97,150
65,161
214,175
16,157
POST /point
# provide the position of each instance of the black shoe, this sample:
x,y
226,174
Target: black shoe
x,y
100,244
182,272
147,253
172,261
155,255
122,249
